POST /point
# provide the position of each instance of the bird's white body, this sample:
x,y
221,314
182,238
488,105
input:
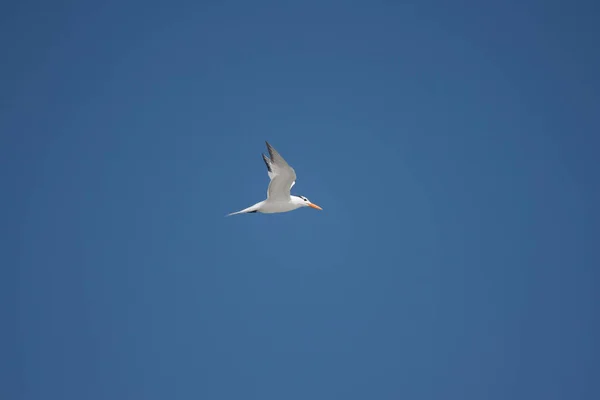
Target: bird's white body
x,y
279,199
272,207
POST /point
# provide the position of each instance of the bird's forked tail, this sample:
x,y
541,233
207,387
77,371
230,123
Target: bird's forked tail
x,y
251,209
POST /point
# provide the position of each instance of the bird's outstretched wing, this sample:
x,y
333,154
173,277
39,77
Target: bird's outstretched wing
x,y
283,177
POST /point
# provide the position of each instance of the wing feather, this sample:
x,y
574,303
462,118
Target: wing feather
x,y
282,176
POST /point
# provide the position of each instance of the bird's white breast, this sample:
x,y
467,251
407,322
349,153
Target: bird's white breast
x,y
271,207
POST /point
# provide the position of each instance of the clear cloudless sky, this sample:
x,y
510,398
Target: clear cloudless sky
x,y
453,147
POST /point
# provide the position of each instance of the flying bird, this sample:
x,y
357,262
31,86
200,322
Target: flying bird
x,y
279,199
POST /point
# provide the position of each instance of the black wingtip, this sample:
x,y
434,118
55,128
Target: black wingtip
x,y
271,149
266,160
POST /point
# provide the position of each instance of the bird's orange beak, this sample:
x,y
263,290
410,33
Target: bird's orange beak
x,y
314,206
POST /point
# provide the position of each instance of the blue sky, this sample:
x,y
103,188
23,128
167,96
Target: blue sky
x,y
452,146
